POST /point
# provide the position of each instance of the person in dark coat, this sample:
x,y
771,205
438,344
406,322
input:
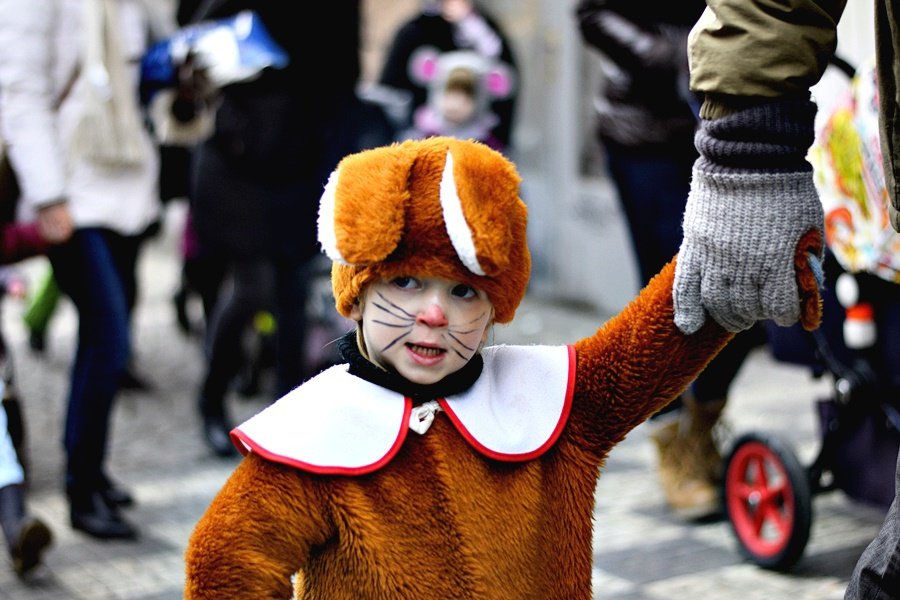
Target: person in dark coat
x,y
256,182
447,25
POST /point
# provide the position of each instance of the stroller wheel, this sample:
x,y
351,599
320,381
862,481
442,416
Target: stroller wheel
x,y
767,499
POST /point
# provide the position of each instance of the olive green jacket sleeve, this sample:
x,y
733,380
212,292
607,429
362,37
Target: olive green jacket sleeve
x,y
761,49
742,49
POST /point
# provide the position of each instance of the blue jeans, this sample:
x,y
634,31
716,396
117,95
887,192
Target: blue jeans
x,y
653,189
96,269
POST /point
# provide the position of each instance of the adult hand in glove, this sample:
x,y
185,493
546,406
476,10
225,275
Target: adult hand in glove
x,y
752,245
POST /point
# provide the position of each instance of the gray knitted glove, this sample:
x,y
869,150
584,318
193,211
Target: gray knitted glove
x,y
750,202
736,261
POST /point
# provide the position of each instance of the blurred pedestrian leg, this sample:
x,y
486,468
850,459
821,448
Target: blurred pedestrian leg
x,y
27,537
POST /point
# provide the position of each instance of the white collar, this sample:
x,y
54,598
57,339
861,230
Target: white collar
x,y
339,423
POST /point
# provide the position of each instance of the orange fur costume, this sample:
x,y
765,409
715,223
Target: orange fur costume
x,y
439,514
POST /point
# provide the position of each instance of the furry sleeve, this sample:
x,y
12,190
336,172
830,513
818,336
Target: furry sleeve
x,y
255,535
637,363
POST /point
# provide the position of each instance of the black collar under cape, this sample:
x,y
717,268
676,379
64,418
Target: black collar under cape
x,y
454,383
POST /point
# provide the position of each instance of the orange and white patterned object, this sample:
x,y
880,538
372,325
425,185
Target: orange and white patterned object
x,y
849,175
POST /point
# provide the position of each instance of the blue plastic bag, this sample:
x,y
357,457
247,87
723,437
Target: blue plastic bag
x,y
231,50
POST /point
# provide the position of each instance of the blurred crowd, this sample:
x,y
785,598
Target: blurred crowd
x,y
112,110
170,102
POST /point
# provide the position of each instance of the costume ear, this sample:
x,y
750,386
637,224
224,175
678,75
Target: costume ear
x,y
500,81
361,213
479,191
423,65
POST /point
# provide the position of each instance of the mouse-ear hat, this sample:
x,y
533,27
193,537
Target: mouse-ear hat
x,y
441,207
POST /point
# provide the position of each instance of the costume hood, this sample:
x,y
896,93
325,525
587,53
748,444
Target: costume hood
x,y
440,207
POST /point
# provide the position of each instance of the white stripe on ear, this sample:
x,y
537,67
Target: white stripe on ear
x,y
327,235
455,220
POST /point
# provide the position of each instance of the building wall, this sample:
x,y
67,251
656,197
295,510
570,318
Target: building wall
x,y
381,18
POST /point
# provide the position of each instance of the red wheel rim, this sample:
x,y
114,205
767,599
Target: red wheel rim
x,y
760,499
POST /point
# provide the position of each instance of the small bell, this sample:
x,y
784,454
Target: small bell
x,y
859,326
859,317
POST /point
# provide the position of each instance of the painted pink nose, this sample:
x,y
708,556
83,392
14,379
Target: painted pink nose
x,y
433,316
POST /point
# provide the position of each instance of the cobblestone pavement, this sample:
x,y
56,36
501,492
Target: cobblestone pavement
x,y
642,552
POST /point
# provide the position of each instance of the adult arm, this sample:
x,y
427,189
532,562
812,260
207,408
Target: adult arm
x,y
744,49
29,99
752,195
28,93
604,26
19,241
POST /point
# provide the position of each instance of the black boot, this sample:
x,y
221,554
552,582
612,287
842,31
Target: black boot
x,y
130,380
114,494
27,537
92,514
216,426
215,432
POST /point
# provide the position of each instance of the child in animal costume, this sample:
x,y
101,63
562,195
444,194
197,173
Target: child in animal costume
x,y
428,465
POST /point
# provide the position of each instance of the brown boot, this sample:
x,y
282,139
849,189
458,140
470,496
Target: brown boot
x,y
689,460
34,539
27,537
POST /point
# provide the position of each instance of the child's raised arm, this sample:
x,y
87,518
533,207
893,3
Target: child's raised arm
x,y
638,362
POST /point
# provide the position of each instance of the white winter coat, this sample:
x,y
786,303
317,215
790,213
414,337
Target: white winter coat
x,y
40,44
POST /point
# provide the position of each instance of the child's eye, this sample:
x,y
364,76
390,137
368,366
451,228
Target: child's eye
x,y
464,291
406,283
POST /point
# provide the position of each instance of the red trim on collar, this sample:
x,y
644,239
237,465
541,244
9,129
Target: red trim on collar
x,y
245,445
522,457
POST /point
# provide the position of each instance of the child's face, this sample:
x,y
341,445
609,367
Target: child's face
x,y
455,11
424,328
457,106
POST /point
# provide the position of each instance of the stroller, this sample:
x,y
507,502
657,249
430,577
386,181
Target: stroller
x,y
766,492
